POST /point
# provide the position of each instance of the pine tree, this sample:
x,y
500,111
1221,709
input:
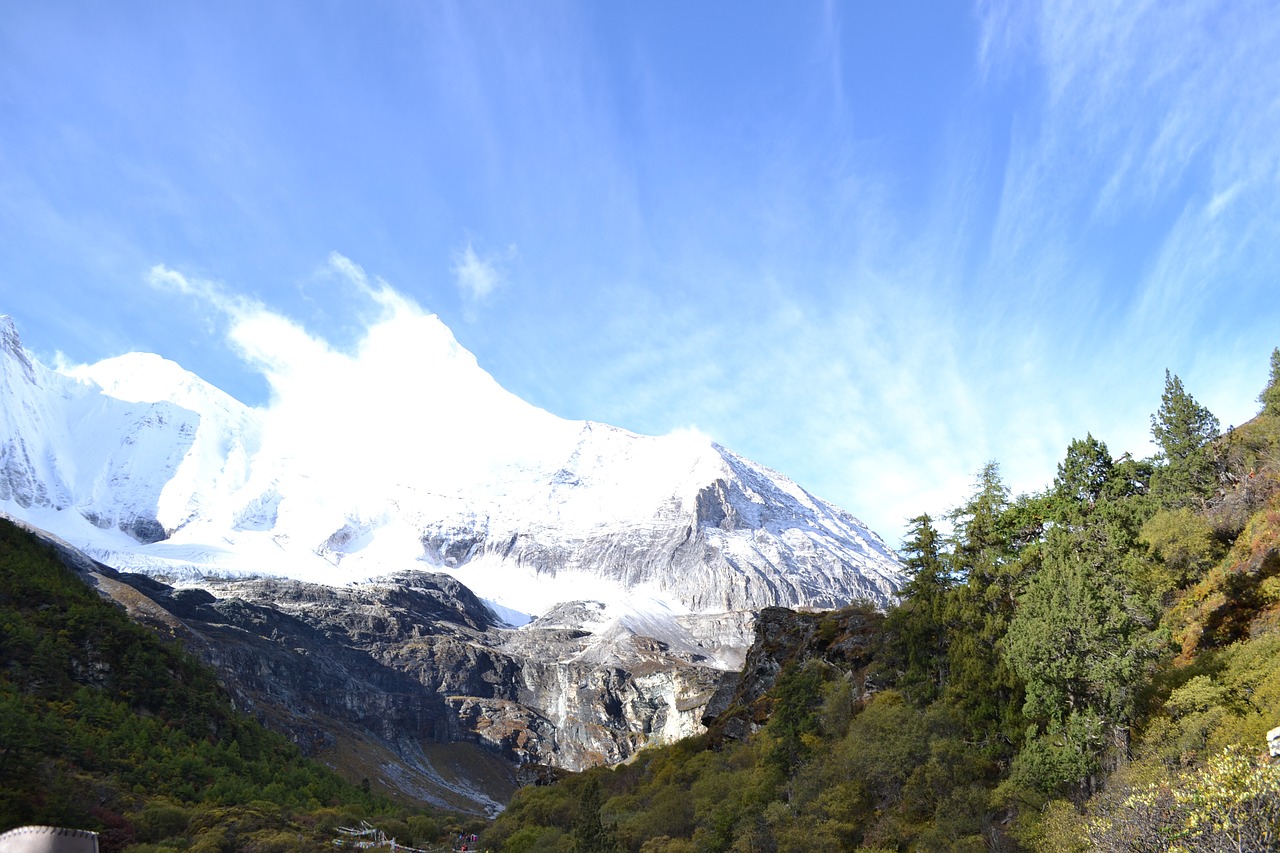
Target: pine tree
x,y
919,651
980,683
1083,474
1183,429
1270,396
981,542
922,552
589,834
1082,646
1181,426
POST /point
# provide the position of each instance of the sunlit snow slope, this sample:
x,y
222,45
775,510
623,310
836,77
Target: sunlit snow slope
x,y
406,454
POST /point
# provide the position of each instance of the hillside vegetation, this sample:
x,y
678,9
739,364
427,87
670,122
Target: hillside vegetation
x,y
104,727
1091,667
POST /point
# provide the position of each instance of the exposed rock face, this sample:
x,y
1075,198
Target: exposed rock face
x,y
416,657
607,690
843,638
412,664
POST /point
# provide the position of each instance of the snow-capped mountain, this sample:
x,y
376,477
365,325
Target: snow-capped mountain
x,y
149,468
342,538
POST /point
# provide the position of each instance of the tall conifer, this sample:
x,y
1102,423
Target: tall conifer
x,y
1183,429
1270,396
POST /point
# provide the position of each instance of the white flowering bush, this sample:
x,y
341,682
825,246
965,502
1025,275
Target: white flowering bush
x,y
1232,803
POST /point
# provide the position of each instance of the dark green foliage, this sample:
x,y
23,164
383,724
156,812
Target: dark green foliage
x,y
1270,396
1181,426
981,544
1184,431
104,727
589,834
977,613
1082,644
1068,629
1083,475
917,647
794,721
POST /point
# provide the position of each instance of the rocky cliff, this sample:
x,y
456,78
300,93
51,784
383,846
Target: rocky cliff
x,y
409,681
844,639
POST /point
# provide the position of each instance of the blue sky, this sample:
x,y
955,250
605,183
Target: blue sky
x,y
871,245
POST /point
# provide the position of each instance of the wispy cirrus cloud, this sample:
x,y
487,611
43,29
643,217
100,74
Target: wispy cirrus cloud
x,y
1145,178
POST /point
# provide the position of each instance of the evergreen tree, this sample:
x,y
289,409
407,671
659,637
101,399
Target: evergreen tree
x,y
794,721
919,646
1083,474
1270,396
1081,640
1129,478
922,552
1183,429
589,834
1181,426
1074,640
977,611
981,542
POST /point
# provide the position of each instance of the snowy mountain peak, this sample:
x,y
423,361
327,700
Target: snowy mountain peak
x,y
11,349
406,454
144,377
139,377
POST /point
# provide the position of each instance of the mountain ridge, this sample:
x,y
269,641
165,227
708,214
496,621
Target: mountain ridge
x,y
200,480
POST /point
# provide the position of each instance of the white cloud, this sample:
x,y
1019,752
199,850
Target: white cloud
x,y
351,271
226,304
388,300
405,403
477,277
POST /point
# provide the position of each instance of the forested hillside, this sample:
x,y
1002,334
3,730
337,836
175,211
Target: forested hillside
x,y
1091,667
103,727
